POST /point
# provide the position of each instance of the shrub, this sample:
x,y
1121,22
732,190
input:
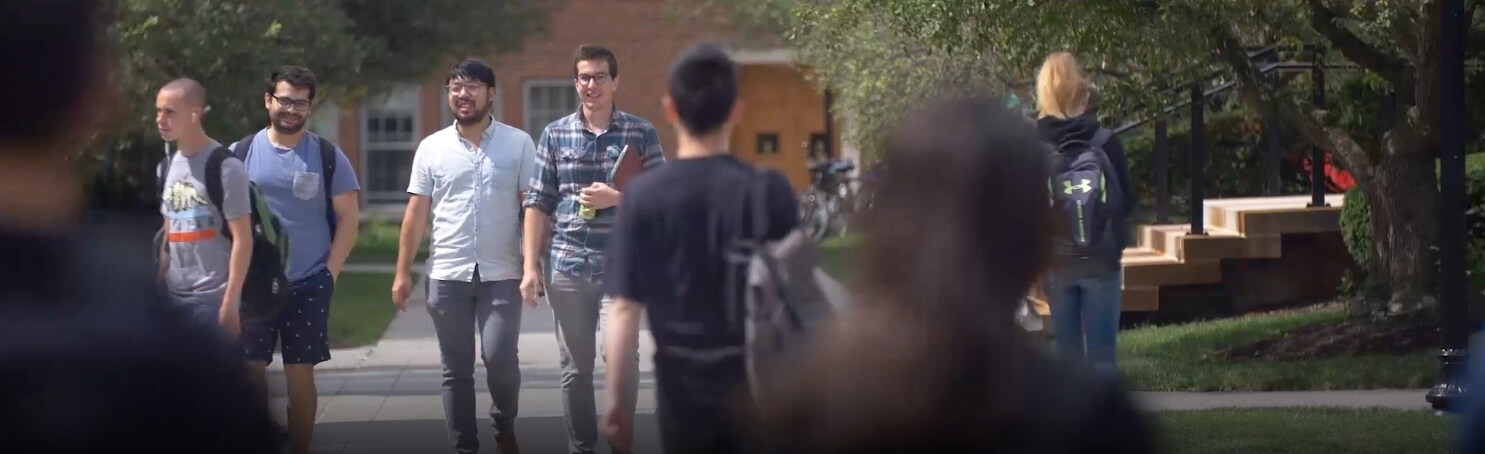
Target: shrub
x,y
1356,228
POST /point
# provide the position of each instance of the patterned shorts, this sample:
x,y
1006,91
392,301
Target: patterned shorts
x,y
302,328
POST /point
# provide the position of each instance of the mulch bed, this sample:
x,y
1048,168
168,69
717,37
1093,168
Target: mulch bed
x,y
1391,336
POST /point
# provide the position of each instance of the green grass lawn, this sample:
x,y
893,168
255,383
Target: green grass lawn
x,y
377,243
836,257
1302,431
361,310
1173,358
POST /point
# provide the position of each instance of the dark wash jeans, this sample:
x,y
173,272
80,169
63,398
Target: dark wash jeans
x,y
1085,316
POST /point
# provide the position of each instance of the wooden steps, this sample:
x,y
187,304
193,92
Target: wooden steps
x,y
1244,228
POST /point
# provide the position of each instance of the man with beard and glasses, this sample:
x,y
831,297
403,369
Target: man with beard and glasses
x,y
573,203
470,176
321,217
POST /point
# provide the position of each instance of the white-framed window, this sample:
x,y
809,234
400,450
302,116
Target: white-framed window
x,y
390,136
545,101
496,109
325,121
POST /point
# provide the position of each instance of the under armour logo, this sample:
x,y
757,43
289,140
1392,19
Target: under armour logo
x,y
1068,187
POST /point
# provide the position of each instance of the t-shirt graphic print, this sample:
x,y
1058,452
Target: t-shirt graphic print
x,y
200,254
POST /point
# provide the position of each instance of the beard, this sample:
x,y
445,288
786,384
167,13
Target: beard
x,y
475,116
287,123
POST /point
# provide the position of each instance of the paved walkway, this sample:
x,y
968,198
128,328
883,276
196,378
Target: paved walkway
x,y
385,398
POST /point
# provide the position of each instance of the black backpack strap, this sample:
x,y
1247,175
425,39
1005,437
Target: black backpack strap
x,y
164,169
760,205
243,147
214,183
328,162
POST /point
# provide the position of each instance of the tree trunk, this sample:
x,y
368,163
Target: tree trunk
x,y
1404,200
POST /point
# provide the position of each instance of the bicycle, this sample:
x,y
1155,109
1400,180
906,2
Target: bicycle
x,y
826,205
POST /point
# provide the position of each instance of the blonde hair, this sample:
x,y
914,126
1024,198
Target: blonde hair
x,y
1061,90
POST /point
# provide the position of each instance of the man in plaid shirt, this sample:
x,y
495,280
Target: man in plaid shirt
x,y
571,193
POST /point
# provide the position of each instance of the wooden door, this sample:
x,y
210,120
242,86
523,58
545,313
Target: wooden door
x,y
781,112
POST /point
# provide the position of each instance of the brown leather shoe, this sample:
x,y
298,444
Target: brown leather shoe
x,y
506,444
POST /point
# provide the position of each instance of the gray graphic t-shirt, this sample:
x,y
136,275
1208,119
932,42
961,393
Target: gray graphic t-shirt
x,y
200,254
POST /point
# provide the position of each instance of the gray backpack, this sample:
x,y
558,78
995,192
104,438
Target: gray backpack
x,y
786,295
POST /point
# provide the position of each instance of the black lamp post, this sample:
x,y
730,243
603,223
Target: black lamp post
x,y
1453,288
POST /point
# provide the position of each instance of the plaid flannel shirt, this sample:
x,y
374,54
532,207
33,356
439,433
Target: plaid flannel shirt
x,y
568,159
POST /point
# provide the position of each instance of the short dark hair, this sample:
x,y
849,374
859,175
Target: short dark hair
x,y
472,69
297,77
703,87
68,64
194,92
589,52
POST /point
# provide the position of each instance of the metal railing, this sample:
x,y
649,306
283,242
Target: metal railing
x,y
1196,101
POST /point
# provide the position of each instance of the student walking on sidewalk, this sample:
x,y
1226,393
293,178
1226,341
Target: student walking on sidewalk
x,y
207,242
311,186
572,203
470,177
669,258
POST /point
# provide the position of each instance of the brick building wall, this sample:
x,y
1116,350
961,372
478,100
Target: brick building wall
x,y
645,35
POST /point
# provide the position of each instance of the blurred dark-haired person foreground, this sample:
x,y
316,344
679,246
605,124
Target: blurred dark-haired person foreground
x,y
932,360
92,357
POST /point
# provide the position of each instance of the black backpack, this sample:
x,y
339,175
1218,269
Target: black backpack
x,y
265,289
1086,193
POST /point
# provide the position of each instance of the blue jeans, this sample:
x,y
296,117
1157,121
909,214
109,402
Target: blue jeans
x,y
1085,317
203,314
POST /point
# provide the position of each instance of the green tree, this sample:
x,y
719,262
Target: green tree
x,y
356,48
874,65
1136,47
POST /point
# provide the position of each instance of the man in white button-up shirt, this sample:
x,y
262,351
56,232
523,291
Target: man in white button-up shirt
x,y
471,176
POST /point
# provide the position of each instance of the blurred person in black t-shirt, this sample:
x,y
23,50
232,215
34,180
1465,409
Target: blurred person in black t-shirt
x,y
92,359
668,258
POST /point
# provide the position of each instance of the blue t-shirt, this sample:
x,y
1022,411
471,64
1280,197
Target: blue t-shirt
x,y
289,180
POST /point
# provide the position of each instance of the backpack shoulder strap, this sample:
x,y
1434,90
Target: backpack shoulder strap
x,y
164,169
760,204
243,147
328,161
214,183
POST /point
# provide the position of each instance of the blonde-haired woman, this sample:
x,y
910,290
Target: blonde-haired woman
x,y
1083,287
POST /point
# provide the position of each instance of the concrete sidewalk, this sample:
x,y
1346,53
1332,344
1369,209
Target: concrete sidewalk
x,y
385,398
1404,399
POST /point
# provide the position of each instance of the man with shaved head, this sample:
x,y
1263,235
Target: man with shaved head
x,y
204,198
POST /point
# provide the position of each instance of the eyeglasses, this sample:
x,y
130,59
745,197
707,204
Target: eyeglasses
x,y
459,89
593,79
285,102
